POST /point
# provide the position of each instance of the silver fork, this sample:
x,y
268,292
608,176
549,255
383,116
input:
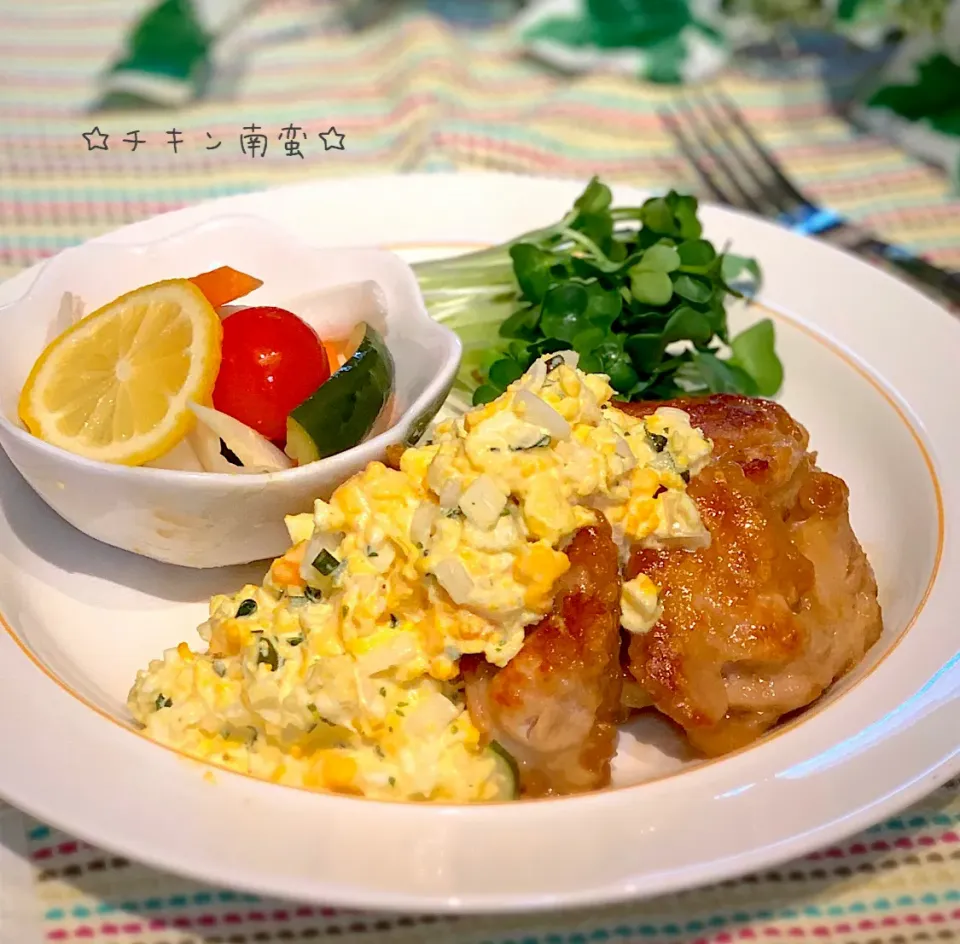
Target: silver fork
x,y
743,174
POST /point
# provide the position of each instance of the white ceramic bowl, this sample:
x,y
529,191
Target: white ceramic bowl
x,y
206,519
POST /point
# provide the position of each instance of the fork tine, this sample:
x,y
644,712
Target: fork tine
x,y
772,164
697,124
689,151
767,196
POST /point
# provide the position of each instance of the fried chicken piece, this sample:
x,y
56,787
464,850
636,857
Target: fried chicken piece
x,y
781,604
759,435
394,454
555,706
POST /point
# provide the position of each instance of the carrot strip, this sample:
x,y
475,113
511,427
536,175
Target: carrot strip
x,y
224,285
285,571
334,355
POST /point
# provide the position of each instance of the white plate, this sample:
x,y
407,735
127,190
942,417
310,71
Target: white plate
x,y
872,370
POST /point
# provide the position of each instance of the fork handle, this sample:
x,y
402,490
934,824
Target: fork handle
x,y
942,283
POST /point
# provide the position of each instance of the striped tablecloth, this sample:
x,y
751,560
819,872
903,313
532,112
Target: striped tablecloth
x,y
415,95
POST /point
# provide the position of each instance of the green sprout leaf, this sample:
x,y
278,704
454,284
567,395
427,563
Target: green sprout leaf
x,y
722,377
659,258
636,291
603,305
657,215
740,275
685,213
654,288
595,199
484,394
532,267
521,324
505,371
696,253
564,311
754,351
520,352
687,324
617,364
694,288
588,340
591,363
645,350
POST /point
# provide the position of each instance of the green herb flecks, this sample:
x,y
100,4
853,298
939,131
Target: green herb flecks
x,y
637,292
657,442
247,608
162,702
314,711
267,654
541,443
325,563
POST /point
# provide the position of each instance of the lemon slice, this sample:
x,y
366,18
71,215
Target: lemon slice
x,y
116,386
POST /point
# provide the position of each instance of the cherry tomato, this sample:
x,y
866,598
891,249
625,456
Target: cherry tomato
x,y
271,362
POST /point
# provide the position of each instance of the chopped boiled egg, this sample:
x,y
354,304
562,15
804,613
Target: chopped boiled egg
x,y
341,671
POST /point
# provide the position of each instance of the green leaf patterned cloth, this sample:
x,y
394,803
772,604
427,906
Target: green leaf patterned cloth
x,y
171,54
914,97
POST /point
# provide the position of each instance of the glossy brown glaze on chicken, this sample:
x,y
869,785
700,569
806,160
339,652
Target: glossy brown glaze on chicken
x,y
781,604
555,706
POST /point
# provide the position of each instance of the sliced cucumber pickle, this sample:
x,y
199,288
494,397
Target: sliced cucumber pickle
x,y
344,409
507,768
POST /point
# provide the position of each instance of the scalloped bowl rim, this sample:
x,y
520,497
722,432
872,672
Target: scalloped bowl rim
x,y
430,393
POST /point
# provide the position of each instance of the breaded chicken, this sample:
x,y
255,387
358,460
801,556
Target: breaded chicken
x,y
555,706
759,435
783,601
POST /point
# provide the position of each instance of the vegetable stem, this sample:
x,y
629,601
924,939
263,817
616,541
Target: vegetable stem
x,y
599,257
